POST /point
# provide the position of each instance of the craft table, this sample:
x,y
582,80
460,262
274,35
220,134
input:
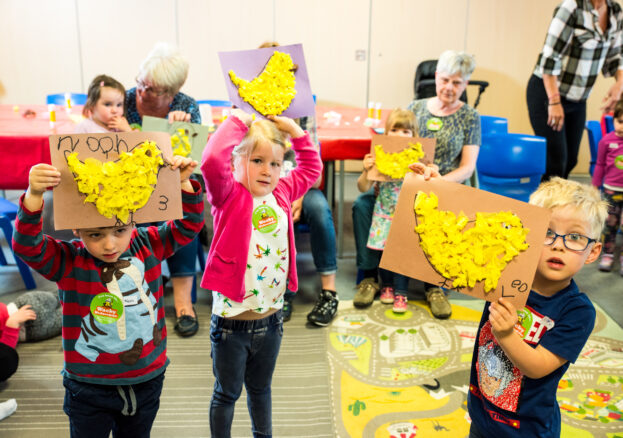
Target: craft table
x,y
24,143
24,140
343,138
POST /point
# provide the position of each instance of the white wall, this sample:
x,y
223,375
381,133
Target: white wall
x,y
58,46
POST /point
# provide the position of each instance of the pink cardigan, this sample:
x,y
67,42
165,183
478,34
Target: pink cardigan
x,y
232,204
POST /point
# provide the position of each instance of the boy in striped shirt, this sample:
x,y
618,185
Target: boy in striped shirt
x,y
110,286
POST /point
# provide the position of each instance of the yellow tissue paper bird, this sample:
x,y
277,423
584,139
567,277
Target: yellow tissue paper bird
x,y
272,91
467,256
180,143
118,187
396,165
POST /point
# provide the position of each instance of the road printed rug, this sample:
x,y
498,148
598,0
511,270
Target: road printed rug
x,y
407,376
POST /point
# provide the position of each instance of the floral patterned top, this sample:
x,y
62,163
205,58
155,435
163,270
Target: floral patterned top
x,y
384,209
452,132
181,102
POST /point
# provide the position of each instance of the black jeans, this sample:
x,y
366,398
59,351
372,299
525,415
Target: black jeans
x,y
563,145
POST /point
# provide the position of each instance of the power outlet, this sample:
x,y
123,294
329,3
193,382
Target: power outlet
x,y
360,55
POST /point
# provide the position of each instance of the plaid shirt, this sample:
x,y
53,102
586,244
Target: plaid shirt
x,y
576,48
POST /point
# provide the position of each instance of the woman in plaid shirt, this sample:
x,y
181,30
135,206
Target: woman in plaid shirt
x,y
584,37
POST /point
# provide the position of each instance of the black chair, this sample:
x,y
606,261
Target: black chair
x,y
424,82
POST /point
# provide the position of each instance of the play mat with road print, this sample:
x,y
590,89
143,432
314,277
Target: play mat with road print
x,y
407,376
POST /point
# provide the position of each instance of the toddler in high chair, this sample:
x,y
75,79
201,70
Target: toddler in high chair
x,y
252,257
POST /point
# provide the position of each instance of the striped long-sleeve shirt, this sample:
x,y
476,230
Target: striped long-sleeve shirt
x,y
576,49
113,314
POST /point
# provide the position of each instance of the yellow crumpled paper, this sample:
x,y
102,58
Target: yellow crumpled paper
x,y
272,91
396,165
467,256
118,188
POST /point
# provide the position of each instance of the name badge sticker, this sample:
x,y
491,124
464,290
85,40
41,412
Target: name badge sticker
x,y
264,219
106,308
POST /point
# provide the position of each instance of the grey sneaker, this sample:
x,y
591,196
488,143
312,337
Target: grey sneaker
x,y
439,305
366,290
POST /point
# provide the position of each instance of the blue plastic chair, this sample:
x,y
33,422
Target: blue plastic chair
x,y
491,125
215,102
8,213
609,124
61,99
593,129
511,164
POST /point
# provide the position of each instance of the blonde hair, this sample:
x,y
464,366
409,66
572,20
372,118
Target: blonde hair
x,y
165,67
558,192
401,119
452,62
260,131
95,91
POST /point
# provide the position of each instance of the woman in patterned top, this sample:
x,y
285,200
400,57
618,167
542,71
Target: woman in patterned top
x,y
456,126
584,37
157,94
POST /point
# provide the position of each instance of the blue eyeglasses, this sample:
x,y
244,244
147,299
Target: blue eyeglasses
x,y
572,241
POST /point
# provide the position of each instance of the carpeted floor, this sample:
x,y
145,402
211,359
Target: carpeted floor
x,y
406,376
301,403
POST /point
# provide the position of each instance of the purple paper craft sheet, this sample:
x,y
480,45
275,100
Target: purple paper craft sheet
x,y
247,64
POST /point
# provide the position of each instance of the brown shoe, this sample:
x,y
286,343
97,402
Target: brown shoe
x,y
439,305
366,290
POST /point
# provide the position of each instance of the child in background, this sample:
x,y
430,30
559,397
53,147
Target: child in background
x,y
11,320
520,355
394,286
110,286
252,257
609,174
104,109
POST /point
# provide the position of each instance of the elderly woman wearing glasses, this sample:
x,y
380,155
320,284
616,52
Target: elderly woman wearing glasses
x,y
160,77
157,92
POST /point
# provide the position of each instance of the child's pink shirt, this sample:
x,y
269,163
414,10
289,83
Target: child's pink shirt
x,y
8,335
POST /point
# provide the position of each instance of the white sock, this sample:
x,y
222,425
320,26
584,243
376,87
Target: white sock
x,y
7,408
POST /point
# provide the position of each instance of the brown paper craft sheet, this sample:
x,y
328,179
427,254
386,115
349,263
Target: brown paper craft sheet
x,y
197,134
393,144
70,210
404,255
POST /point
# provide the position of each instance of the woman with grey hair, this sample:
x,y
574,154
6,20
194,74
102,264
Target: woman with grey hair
x,y
157,94
456,126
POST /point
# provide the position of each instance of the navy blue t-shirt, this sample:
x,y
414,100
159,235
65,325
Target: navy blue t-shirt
x,y
181,102
505,403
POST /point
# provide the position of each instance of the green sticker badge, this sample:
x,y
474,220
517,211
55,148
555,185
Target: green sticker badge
x,y
265,219
618,162
106,308
434,124
524,321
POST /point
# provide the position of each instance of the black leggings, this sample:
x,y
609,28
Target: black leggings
x,y
563,145
8,361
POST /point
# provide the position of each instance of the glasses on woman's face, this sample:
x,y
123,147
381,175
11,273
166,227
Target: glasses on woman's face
x,y
145,88
572,241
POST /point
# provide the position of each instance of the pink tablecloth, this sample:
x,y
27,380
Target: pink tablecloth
x,y
24,140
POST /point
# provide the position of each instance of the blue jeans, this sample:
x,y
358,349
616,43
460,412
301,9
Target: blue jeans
x,y
96,410
317,214
363,207
243,351
184,262
399,282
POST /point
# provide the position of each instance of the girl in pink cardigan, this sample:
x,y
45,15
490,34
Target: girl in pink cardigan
x,y
252,257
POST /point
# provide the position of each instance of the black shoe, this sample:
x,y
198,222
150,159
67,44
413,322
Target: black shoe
x,y
286,311
325,309
187,325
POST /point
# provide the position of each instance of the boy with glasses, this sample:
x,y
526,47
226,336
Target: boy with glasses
x,y
520,355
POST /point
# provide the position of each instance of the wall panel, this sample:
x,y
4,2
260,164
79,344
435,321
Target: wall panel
x,y
405,33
